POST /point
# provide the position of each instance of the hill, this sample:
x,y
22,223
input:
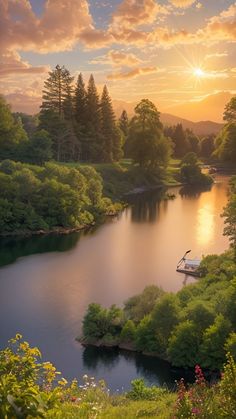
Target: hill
x,y
200,128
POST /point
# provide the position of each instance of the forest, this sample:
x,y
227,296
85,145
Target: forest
x,y
75,126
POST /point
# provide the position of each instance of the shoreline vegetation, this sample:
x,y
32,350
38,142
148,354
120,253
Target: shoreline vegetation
x,y
197,325
194,326
33,388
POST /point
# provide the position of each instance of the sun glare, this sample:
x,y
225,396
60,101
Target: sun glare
x,y
198,72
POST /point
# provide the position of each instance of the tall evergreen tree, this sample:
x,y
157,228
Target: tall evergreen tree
x,y
80,102
124,127
124,123
93,149
56,114
57,90
108,124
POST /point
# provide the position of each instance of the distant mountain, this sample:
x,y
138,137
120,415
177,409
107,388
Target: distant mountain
x,y
199,128
210,108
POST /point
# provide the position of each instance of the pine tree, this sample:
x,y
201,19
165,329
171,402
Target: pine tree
x,y
57,90
124,127
108,124
93,144
124,123
56,114
80,102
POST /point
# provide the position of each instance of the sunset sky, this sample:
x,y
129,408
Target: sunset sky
x,y
170,51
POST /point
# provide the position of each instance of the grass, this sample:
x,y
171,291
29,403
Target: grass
x,y
121,178
117,407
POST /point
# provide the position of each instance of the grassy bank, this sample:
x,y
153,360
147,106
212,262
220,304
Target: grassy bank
x,y
30,388
123,177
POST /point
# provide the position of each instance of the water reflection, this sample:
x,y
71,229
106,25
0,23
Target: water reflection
x,y
152,369
145,206
11,248
45,296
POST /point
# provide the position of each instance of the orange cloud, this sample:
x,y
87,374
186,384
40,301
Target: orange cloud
x,y
133,13
11,63
117,58
58,29
133,73
182,3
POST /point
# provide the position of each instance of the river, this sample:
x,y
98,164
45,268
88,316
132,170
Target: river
x,y
47,282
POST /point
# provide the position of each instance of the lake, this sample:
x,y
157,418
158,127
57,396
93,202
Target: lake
x,y
46,283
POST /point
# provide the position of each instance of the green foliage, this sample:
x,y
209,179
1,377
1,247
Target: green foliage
x,y
230,216
146,143
26,384
100,323
190,171
128,332
184,344
48,197
137,307
230,111
212,346
226,145
12,134
141,392
197,325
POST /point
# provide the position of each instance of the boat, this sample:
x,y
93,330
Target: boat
x,y
188,266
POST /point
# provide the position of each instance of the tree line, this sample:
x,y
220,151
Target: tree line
x,y
49,197
195,326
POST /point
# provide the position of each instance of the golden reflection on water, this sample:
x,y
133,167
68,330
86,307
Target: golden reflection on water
x,y
209,211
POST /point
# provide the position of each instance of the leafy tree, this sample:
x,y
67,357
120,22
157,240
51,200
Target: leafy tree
x,y
12,133
207,146
230,111
200,313
147,145
230,216
190,158
165,316
40,147
183,344
140,305
225,144
214,339
128,332
230,345
190,171
146,339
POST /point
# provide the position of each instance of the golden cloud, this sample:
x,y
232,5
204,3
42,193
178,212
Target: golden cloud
x,y
133,73
11,63
182,3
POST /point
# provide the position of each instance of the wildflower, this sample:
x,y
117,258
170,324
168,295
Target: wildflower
x,y
196,411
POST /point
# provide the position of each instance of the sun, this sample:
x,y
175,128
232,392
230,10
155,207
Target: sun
x,y
198,72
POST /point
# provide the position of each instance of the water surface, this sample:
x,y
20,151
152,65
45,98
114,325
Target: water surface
x,y
47,282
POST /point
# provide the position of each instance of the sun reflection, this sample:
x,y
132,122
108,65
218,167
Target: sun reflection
x,y
205,224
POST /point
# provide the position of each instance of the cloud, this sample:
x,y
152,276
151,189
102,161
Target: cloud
x,y
133,73
117,58
216,55
59,27
133,13
182,3
199,6
11,63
